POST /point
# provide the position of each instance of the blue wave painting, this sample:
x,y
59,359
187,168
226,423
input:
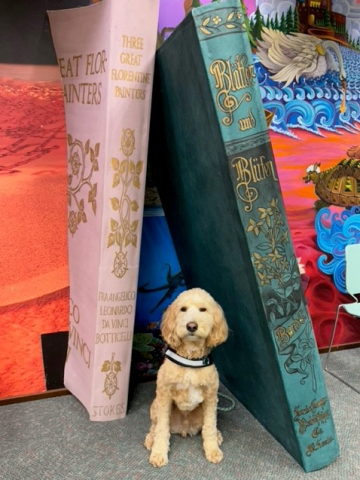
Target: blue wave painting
x,y
334,232
314,104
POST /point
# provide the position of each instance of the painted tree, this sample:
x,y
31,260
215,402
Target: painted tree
x,y
333,24
289,20
327,19
252,24
296,21
258,24
248,27
276,22
283,23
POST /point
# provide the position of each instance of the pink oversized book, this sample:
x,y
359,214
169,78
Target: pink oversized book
x,y
106,56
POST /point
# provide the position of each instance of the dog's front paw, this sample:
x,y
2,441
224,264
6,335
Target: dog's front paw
x,y
214,455
158,459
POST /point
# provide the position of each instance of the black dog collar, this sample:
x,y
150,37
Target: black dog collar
x,y
185,362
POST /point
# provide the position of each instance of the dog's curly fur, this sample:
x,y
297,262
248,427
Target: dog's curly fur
x,y
186,398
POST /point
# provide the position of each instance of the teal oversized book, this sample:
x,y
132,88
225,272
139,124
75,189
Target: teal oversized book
x,y
214,167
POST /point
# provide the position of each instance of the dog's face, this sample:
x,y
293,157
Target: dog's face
x,y
194,316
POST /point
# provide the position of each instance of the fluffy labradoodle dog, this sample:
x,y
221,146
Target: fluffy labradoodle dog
x,y
187,382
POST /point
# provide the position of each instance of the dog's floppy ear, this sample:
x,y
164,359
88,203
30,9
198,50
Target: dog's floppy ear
x,y
219,332
168,326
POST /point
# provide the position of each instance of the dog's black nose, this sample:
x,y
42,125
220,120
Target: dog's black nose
x,y
191,327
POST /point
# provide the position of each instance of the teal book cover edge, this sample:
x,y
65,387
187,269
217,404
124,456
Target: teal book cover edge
x,y
228,64
242,122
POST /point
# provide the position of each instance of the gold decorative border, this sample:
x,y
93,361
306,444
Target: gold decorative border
x,y
123,230
214,24
80,180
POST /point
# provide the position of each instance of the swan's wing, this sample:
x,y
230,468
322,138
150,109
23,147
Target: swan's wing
x,y
273,51
269,38
287,75
288,56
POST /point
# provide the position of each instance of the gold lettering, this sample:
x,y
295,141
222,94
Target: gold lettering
x,y
316,446
116,296
85,93
134,93
245,193
117,323
69,67
231,78
309,408
316,432
130,58
113,337
74,312
130,76
95,63
132,42
251,170
318,415
247,123
80,345
284,334
100,410
117,310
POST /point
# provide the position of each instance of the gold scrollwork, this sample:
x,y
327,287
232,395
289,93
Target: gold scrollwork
x,y
247,194
230,104
81,157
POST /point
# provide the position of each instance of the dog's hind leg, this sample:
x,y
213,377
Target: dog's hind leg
x,y
195,421
186,422
149,439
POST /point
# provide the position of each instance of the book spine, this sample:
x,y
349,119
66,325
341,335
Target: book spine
x,y
228,62
109,51
85,94
131,63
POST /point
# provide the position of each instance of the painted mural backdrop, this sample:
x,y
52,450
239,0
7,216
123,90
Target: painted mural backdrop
x,y
307,60
34,293
307,63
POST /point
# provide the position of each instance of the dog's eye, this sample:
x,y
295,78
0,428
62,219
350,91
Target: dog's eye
x,y
183,309
202,309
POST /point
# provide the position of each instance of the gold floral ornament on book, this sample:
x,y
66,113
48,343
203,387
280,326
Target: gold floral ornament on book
x,y
280,282
111,369
273,267
123,229
211,25
81,157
